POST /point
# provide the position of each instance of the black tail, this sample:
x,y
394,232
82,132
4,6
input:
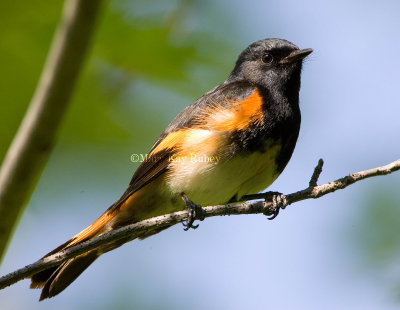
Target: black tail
x,y
54,280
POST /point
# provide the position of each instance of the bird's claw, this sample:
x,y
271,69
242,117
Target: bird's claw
x,y
195,212
279,202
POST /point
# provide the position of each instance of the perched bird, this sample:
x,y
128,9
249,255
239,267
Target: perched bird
x,y
233,141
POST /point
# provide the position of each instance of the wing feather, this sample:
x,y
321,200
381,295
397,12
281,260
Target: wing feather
x,y
157,163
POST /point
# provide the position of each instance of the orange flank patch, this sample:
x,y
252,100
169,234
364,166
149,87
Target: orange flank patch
x,y
239,116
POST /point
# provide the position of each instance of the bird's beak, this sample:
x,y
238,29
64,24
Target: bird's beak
x,y
296,55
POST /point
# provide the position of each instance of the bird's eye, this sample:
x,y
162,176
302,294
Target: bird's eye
x,y
267,58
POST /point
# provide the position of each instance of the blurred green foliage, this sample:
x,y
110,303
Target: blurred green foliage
x,y
148,61
377,238
140,48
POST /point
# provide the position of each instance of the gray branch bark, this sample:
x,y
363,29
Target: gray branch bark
x,y
266,207
37,133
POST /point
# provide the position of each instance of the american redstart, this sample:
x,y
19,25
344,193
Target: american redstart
x,y
233,141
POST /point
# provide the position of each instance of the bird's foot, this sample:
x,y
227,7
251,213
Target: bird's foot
x,y
279,202
196,212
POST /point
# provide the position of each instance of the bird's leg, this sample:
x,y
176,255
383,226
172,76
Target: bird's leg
x,y
195,212
279,202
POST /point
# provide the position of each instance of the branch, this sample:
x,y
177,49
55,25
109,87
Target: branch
x,y
134,230
37,133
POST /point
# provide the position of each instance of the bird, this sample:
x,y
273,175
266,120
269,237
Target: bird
x,y
233,141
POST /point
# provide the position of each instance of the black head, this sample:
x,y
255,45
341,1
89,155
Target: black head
x,y
270,63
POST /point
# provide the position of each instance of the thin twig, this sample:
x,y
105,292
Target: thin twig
x,y
163,221
37,133
316,174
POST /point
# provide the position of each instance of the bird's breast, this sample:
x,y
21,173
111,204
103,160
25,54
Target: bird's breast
x,y
210,170
228,152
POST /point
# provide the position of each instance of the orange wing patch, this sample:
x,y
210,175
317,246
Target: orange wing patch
x,y
172,140
239,116
187,143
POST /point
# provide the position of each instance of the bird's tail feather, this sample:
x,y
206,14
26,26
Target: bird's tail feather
x,y
55,279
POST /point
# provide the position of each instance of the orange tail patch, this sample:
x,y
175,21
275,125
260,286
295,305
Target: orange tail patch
x,y
96,228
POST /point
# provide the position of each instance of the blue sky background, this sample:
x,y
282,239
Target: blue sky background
x,y
313,255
